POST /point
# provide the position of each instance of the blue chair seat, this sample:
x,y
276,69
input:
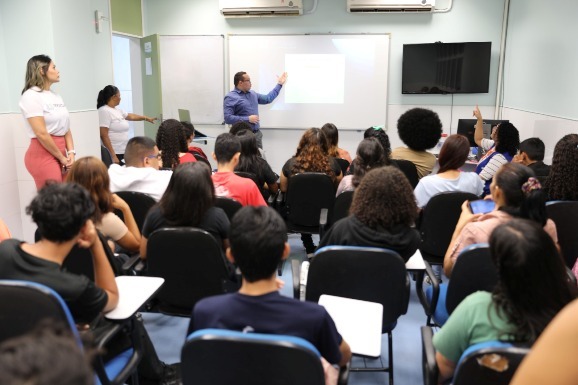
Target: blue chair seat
x,y
440,314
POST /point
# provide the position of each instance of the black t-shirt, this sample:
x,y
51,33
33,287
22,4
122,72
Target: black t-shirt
x,y
84,299
215,222
264,173
270,313
288,167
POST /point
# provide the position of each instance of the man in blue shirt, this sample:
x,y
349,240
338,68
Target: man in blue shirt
x,y
242,104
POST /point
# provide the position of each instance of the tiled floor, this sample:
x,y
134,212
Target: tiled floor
x,y
168,335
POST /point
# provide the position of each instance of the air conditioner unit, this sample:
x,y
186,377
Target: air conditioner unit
x,y
372,6
261,8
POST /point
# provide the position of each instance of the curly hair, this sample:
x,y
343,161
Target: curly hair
x,y
92,174
60,210
532,285
562,183
379,133
384,199
171,141
454,153
419,128
508,139
313,154
332,135
369,156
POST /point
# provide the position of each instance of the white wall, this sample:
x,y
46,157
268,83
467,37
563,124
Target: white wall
x,y
64,30
468,21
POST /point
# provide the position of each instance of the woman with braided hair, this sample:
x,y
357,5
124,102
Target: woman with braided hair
x,y
516,193
172,144
532,288
562,182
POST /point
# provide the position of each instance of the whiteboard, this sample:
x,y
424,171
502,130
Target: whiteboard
x,y
192,77
337,78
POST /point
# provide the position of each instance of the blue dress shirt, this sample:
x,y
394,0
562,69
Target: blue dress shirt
x,y
239,105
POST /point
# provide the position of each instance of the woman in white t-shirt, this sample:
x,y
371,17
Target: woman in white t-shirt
x,y
453,155
113,122
51,151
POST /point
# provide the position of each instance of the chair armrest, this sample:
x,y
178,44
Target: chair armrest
x,y
343,378
272,200
323,222
429,364
429,307
130,264
571,277
296,273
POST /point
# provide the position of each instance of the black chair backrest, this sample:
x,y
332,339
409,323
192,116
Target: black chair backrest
x,y
139,204
23,305
105,156
341,206
408,168
565,215
201,158
229,206
307,194
248,360
473,371
438,222
344,164
363,273
192,264
473,271
79,260
249,175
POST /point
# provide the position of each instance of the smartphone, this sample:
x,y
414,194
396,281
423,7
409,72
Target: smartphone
x,y
482,206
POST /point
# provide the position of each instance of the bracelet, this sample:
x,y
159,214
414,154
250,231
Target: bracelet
x,y
70,152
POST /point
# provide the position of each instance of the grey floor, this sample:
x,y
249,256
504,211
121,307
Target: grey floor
x,y
168,335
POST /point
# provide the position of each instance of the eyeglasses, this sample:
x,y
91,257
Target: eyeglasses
x,y
158,156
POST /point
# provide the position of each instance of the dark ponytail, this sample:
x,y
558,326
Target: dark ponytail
x,y
523,193
105,94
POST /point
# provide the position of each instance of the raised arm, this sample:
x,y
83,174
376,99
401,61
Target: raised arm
x,y
479,132
140,118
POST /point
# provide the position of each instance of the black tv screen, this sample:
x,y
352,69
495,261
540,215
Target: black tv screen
x,y
446,68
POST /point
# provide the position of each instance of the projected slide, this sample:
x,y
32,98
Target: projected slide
x,y
315,78
332,78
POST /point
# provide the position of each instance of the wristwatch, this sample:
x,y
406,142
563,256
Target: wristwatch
x,y
70,152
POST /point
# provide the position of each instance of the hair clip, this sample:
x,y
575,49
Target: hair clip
x,y
377,128
531,185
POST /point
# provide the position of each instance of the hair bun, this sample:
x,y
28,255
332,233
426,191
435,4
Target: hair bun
x,y
531,185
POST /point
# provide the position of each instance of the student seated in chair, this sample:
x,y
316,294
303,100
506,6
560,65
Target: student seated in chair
x,y
531,154
62,212
258,240
227,183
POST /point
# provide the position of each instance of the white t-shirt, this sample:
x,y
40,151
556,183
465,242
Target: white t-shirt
x,y
431,185
115,120
35,102
146,180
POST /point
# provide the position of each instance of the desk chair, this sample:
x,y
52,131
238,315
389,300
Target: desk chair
x,y
565,215
249,175
139,204
201,158
193,266
410,171
224,357
363,273
473,271
229,206
307,195
344,164
437,223
341,206
474,367
105,156
24,304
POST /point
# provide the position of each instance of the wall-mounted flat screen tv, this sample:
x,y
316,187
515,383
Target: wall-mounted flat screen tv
x,y
446,68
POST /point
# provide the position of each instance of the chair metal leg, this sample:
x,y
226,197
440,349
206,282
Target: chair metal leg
x,y
390,356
